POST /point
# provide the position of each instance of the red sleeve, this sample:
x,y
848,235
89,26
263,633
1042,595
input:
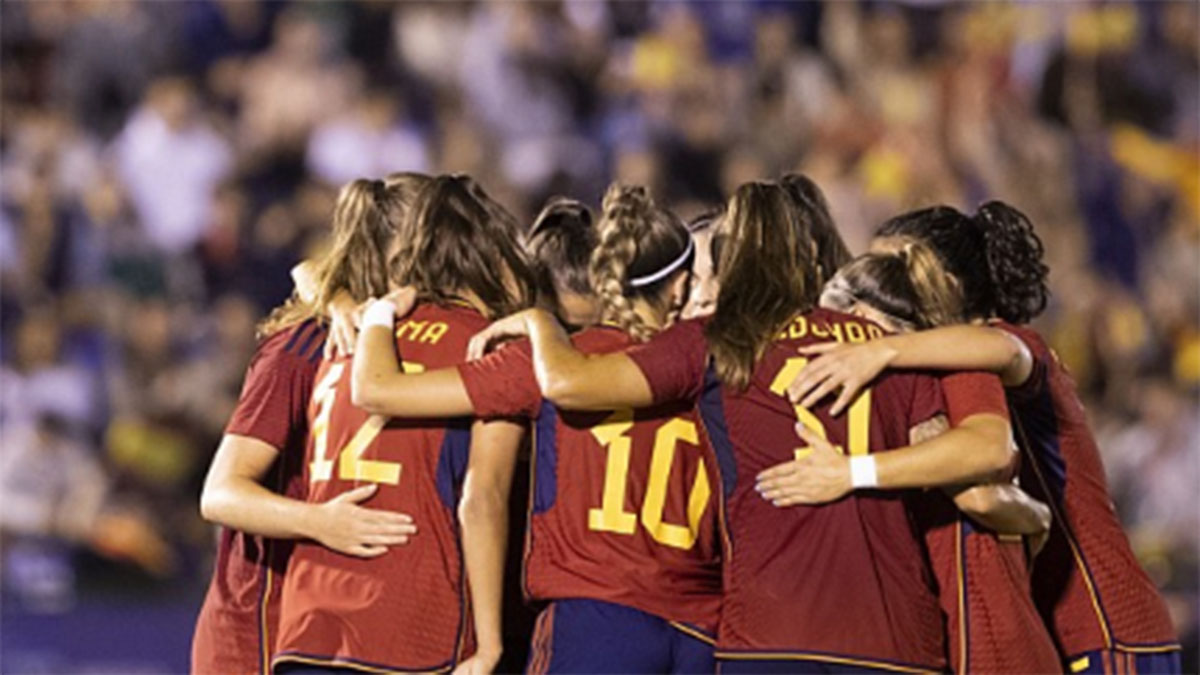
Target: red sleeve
x,y
1033,386
276,390
673,361
927,401
973,393
502,384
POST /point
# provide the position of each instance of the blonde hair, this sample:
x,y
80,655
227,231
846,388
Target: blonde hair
x,y
905,281
456,238
365,221
768,274
637,239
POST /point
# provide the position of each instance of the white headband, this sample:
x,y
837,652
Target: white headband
x,y
666,271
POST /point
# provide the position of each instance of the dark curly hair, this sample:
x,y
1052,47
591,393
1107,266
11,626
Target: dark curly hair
x,y
995,255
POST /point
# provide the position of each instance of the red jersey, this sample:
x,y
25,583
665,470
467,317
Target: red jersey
x,y
842,583
236,628
992,625
623,505
1086,582
406,609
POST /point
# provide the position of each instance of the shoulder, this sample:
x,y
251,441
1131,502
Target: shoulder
x,y
827,325
1032,339
300,343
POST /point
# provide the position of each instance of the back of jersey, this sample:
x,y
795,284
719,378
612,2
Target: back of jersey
x,y
625,506
406,609
1087,581
845,582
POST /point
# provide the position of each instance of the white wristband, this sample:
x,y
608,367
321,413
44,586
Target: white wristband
x,y
862,472
379,313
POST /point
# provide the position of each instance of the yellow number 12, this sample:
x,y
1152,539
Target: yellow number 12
x,y
351,465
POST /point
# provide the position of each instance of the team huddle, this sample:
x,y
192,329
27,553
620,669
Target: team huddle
x,y
750,452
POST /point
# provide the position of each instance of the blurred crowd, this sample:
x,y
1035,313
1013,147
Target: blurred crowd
x,y
164,165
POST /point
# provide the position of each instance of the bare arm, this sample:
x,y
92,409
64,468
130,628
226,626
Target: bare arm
x,y
234,496
379,386
578,381
851,367
483,513
1004,508
566,376
977,450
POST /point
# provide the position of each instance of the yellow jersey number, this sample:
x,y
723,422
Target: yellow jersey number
x,y
350,462
858,417
612,516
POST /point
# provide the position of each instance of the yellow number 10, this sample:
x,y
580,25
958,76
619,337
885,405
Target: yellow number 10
x,y
858,417
612,516
351,465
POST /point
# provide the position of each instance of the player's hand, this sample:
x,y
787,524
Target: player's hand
x,y
344,320
482,663
508,328
344,526
823,475
404,298
847,368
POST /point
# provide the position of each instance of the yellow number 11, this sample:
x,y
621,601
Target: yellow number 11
x,y
858,417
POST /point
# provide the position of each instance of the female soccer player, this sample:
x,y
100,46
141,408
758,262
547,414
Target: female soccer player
x,y
407,608
560,244
254,487
622,541
806,589
1103,611
983,579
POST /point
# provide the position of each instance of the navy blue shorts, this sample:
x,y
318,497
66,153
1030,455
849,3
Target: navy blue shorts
x,y
790,667
1116,662
590,636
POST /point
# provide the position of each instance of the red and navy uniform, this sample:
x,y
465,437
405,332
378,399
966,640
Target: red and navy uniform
x,y
236,629
623,523
405,610
836,587
992,625
1104,612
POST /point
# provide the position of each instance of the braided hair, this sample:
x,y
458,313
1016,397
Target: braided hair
x,y
641,247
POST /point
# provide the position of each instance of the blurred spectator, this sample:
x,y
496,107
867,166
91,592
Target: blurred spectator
x,y
163,165
171,161
370,140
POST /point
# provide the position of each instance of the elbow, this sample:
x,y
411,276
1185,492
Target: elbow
x,y
561,390
980,501
484,505
364,393
212,505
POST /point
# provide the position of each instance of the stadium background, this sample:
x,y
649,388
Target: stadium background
x,y
164,164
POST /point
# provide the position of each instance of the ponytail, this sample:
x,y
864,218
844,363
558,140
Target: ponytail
x,y
831,249
906,283
768,274
455,238
560,245
1014,262
640,248
365,219
995,256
